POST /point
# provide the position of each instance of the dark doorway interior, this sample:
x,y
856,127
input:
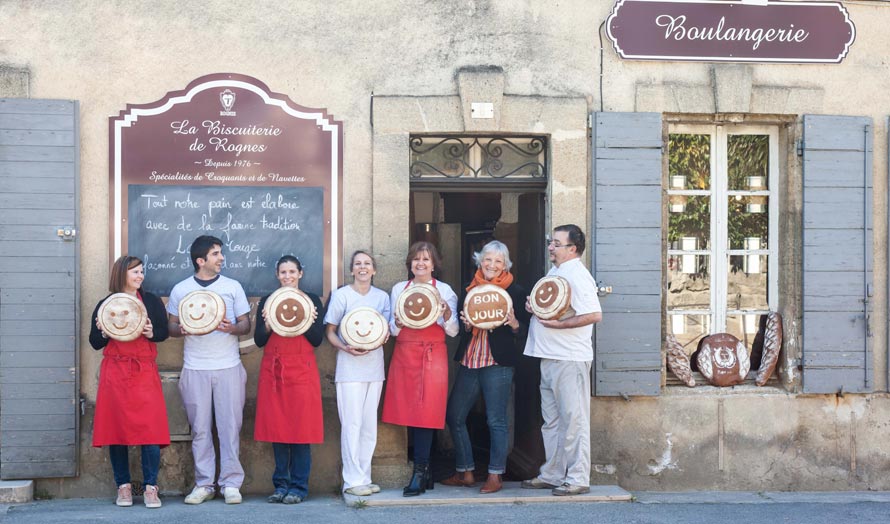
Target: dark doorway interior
x,y
460,224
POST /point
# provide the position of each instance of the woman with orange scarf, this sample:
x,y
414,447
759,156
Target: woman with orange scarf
x,y
486,364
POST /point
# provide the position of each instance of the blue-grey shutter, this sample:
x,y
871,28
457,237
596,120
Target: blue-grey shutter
x,y
837,254
39,155
626,251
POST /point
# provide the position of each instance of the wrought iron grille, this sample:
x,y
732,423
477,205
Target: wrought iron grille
x,y
478,157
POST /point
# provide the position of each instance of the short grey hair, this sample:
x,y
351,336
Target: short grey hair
x,y
496,247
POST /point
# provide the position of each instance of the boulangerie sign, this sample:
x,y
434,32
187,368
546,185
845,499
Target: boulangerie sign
x,y
726,31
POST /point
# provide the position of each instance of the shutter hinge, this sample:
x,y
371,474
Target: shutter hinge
x,y
589,125
83,409
798,145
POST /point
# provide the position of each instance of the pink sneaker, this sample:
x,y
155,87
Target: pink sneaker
x,y
150,497
124,495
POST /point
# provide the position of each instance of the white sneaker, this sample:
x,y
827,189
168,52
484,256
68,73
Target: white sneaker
x,y
200,494
233,496
360,491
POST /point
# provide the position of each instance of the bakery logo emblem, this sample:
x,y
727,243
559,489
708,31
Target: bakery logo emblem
x,y
227,99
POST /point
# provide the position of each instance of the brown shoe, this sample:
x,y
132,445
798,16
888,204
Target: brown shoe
x,y
492,484
464,480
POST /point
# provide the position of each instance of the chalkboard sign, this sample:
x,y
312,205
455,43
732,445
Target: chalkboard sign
x,y
257,225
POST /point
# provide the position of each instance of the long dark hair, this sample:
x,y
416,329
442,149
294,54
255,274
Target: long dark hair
x,y
118,281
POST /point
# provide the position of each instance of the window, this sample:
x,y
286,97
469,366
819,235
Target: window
x,y
722,256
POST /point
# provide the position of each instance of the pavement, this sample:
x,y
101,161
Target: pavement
x,y
703,507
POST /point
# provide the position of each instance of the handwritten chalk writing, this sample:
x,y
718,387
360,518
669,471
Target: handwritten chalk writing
x,y
153,201
183,225
247,249
182,250
215,127
675,28
205,224
280,224
187,203
279,178
151,265
257,262
247,204
151,224
217,204
164,177
277,203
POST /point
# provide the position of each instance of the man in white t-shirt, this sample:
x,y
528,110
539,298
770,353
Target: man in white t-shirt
x,y
564,347
212,382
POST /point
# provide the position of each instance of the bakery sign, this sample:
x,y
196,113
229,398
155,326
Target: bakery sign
x,y
731,31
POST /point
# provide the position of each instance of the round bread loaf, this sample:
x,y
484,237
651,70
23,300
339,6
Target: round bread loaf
x,y
289,312
723,360
122,317
419,306
551,298
201,311
487,306
364,328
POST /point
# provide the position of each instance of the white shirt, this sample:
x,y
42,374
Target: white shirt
x,y
573,343
451,326
352,368
215,350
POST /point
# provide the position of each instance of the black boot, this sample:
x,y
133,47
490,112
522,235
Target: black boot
x,y
419,480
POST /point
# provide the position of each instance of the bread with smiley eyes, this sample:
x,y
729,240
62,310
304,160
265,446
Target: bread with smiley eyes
x,y
122,317
289,312
551,298
364,328
201,311
419,306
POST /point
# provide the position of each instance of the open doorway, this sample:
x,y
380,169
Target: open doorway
x,y
459,224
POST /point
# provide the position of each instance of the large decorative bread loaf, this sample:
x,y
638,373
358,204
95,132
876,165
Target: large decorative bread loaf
x,y
772,344
678,361
201,311
551,298
289,312
723,360
419,306
122,317
487,306
364,328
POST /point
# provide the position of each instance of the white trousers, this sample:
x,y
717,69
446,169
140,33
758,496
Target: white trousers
x,y
219,394
565,405
357,405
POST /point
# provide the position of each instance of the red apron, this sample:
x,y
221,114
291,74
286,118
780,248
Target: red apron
x,y
417,382
288,399
130,407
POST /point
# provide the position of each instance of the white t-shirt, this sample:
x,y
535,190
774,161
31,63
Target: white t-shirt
x,y
451,327
215,350
573,343
351,368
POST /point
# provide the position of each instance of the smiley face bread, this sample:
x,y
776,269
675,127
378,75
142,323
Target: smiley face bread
x,y
487,306
122,317
364,328
201,311
418,306
551,298
289,312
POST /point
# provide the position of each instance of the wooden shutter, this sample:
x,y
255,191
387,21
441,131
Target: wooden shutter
x,y
837,254
39,156
626,251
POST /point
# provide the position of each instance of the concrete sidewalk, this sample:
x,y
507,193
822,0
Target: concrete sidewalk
x,y
647,507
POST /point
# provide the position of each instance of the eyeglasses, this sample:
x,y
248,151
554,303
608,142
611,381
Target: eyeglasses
x,y
555,244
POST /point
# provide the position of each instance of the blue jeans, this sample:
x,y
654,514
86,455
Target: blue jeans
x,y
120,464
494,382
292,463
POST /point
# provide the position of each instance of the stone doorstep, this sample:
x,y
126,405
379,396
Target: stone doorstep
x,y
511,494
16,491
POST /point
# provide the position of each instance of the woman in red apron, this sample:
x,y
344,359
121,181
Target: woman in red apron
x,y
417,383
130,409
288,412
